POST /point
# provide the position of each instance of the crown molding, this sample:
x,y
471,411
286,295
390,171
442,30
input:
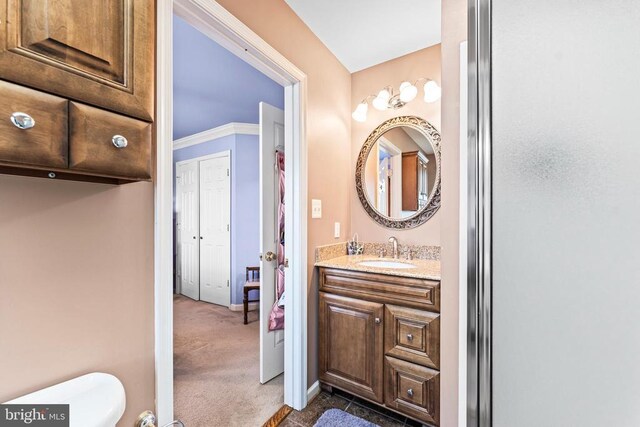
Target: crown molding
x,y
217,132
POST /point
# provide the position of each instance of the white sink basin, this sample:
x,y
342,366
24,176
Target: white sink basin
x,y
386,264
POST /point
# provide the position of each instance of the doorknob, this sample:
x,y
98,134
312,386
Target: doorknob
x,y
269,256
148,419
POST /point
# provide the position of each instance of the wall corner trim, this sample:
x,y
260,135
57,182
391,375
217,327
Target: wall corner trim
x,y
313,391
232,128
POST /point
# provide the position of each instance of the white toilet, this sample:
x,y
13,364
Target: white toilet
x,y
95,400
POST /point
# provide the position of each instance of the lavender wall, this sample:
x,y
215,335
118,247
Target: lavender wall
x,y
246,210
245,199
213,87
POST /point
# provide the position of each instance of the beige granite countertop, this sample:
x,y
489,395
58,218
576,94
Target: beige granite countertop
x,y
425,269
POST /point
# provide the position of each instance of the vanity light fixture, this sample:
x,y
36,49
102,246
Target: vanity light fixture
x,y
389,99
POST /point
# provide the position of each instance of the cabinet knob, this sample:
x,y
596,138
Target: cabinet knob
x,y
22,120
378,320
119,141
410,392
410,337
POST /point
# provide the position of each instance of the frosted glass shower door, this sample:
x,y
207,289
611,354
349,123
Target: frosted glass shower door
x,y
566,213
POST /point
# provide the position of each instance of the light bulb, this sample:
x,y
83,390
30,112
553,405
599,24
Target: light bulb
x,y
432,92
360,113
408,92
381,102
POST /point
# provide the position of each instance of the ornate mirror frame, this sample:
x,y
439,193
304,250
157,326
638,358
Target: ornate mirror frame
x,y
433,203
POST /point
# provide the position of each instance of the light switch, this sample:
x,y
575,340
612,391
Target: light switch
x,y
336,230
316,208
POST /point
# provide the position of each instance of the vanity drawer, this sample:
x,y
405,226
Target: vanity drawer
x,y
413,390
416,293
45,143
91,146
412,335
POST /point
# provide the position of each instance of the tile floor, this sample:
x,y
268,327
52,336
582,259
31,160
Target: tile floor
x,y
348,403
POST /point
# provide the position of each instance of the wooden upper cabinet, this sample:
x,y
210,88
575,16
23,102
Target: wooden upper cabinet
x,y
414,181
100,52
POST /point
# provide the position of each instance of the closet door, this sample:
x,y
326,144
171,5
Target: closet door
x,y
187,224
215,233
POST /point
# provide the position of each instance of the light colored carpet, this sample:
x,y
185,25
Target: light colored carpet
x,y
216,368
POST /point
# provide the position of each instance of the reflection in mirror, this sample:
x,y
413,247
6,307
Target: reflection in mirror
x,y
400,172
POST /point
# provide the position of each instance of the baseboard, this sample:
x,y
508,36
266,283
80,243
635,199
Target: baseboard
x,y
313,391
239,307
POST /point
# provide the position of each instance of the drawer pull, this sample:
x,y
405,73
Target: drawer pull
x,y
119,141
410,337
410,392
378,320
22,120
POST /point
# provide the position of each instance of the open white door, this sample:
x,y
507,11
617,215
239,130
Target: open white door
x,y
271,343
215,231
187,222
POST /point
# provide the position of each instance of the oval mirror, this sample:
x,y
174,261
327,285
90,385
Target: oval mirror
x,y
398,172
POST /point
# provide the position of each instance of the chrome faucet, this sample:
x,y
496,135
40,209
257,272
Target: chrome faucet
x,y
395,246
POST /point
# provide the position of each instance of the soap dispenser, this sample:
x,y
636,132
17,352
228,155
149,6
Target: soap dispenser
x,y
354,247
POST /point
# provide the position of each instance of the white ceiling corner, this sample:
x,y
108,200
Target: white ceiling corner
x,y
364,33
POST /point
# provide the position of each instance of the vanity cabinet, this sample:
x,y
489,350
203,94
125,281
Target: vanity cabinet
x,y
379,339
415,186
77,79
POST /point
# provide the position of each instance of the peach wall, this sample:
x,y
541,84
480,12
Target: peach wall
x,y
328,129
454,31
76,279
423,63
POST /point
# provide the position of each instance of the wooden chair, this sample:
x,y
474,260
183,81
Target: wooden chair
x,y
252,284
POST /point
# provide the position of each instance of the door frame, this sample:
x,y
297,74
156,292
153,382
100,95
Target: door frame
x,y
225,153
396,165
216,22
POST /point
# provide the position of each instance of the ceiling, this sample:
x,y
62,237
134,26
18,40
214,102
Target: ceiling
x,y
419,139
364,33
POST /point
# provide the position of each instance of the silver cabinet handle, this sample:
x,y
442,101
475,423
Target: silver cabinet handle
x,y
22,120
378,320
410,337
410,392
119,141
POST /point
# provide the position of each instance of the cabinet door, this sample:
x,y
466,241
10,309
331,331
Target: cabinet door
x,y
351,340
410,181
33,127
413,335
97,51
413,390
94,137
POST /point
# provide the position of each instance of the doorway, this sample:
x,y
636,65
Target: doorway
x,y
229,209
214,21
